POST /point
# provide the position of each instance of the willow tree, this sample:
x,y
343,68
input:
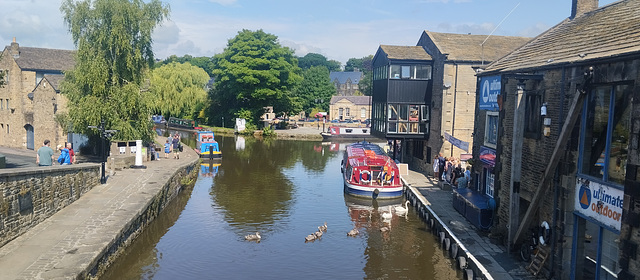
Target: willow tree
x,y
178,90
114,55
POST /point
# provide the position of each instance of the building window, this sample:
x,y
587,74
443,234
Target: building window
x,y
605,133
7,104
489,182
405,118
363,113
348,112
406,72
1,104
532,118
423,72
414,72
340,112
395,72
491,130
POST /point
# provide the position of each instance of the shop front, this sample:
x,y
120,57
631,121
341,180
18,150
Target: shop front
x,y
476,203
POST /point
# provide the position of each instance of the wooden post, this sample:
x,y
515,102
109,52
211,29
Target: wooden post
x,y
516,162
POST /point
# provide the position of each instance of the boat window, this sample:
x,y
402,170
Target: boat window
x,y
349,130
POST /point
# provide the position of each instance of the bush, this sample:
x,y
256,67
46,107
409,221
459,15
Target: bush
x,y
268,131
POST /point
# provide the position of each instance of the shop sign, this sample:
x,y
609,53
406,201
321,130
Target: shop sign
x,y
599,202
457,142
489,90
488,156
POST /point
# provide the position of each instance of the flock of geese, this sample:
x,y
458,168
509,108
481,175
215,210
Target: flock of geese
x,y
386,216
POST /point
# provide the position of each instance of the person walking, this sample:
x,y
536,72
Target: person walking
x,y
436,165
72,154
441,165
44,156
167,149
176,146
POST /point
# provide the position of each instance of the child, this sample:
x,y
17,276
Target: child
x,y
167,149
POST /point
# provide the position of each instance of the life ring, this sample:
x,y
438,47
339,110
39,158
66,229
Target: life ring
x,y
362,179
545,233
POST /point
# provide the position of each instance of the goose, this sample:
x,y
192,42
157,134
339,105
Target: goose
x,y
401,209
318,234
323,227
353,232
387,215
253,236
310,237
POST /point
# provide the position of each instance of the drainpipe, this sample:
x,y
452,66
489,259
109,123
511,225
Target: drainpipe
x,y
455,94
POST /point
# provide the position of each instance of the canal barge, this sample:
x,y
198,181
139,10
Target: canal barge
x,y
346,133
368,172
207,146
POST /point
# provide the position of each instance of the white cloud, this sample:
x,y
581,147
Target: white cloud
x,y
223,2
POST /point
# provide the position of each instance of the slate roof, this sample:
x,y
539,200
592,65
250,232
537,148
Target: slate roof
x,y
344,76
54,80
44,59
405,52
608,31
357,100
466,47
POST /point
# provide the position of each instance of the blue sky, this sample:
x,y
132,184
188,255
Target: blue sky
x,y
337,29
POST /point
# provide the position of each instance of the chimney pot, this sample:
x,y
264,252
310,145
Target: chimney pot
x,y
580,7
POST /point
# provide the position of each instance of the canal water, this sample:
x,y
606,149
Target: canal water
x,y
284,190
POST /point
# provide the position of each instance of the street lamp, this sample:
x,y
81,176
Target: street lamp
x,y
104,136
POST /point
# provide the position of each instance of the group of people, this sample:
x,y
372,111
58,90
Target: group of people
x,y
46,156
450,170
172,145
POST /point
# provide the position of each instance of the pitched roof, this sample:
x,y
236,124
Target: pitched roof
x,y
405,52
466,47
609,31
54,80
344,76
44,59
357,100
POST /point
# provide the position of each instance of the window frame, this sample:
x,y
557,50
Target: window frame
x,y
486,140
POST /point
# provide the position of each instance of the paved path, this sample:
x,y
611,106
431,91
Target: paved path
x,y
494,257
67,243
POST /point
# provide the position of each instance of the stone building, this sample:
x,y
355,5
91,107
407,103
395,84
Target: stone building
x,y
557,142
440,78
31,99
346,83
350,108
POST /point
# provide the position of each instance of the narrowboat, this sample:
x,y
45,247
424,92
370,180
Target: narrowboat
x,y
346,133
368,172
206,146
181,123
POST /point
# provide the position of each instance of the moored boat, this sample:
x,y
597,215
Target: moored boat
x,y
346,133
206,146
368,172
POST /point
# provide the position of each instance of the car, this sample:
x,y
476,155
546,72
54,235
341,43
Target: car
x,y
335,121
349,121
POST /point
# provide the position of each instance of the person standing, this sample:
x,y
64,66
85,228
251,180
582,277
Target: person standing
x,y
441,165
167,149
44,156
176,146
436,165
72,154
64,158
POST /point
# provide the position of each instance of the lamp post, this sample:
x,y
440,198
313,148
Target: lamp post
x,y
104,136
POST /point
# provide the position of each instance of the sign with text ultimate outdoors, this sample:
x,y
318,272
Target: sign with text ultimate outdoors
x,y
599,202
489,91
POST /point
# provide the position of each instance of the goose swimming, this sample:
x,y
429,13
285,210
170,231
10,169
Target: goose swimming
x,y
401,209
353,232
253,237
387,215
310,237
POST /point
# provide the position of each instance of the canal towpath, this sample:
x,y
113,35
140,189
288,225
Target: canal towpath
x,y
495,258
68,244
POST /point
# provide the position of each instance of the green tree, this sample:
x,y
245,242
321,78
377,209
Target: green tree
x,y
203,62
315,59
315,90
365,66
253,71
114,54
178,90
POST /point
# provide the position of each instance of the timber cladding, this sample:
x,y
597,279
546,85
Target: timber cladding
x,y
30,195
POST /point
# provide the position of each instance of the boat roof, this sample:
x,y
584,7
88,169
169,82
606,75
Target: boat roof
x,y
368,154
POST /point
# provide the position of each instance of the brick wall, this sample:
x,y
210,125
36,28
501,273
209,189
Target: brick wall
x,y
30,195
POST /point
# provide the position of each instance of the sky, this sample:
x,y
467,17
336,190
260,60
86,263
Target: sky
x,y
339,30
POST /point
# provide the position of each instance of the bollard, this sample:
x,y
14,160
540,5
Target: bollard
x,y
138,164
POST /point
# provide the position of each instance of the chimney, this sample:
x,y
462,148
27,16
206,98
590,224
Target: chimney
x,y
580,7
15,49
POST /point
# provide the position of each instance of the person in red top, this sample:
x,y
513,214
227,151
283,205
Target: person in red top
x,y
72,155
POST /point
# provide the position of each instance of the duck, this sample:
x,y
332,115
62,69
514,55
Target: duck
x,y
402,209
353,232
253,237
387,215
310,237
323,227
318,234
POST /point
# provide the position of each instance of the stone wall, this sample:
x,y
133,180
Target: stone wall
x,y
30,195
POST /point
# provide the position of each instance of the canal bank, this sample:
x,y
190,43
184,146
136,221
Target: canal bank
x,y
81,239
475,254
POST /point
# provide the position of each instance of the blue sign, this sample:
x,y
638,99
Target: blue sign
x,y
489,90
487,156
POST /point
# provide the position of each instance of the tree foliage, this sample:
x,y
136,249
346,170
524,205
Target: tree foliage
x,y
253,71
315,59
315,90
203,62
178,90
365,66
114,54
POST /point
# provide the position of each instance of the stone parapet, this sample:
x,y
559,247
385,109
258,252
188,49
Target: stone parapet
x,y
30,195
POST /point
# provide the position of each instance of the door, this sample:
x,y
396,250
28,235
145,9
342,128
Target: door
x,y
29,130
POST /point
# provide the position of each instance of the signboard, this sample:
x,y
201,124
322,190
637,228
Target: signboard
x,y
489,90
240,124
488,156
457,142
599,202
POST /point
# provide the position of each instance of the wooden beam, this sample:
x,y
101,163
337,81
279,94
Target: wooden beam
x,y
570,121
